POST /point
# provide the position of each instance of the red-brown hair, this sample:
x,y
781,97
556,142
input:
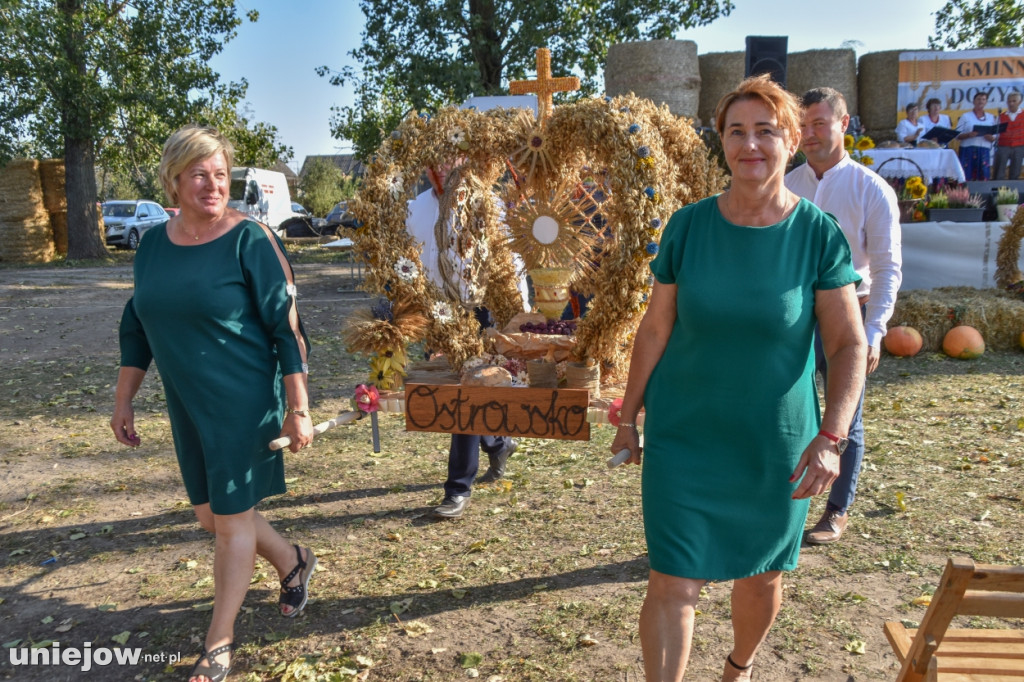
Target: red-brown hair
x,y
782,103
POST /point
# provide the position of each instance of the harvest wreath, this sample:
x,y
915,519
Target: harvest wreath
x,y
512,184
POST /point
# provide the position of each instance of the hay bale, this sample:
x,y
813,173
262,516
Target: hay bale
x,y
59,223
996,314
26,241
720,73
877,84
51,176
663,71
824,68
21,194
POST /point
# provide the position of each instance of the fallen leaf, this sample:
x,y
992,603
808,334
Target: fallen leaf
x,y
204,606
923,600
65,625
107,607
856,646
47,620
459,593
899,501
400,607
587,640
415,628
15,642
470,659
18,552
121,638
76,536
203,582
42,644
429,583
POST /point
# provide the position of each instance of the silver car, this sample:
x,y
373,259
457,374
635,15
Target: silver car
x,y
126,221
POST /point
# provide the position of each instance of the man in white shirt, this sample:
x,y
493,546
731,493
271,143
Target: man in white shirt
x,y
464,449
867,210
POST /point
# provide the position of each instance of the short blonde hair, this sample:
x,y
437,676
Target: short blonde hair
x,y
782,103
186,146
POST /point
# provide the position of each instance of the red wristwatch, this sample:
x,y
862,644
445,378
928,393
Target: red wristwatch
x,y
838,441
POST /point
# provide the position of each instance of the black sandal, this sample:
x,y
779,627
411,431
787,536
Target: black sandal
x,y
297,596
215,672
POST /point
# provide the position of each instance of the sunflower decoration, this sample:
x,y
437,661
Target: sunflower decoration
x,y
856,148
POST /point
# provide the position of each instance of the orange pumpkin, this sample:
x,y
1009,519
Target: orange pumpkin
x,y
963,342
903,341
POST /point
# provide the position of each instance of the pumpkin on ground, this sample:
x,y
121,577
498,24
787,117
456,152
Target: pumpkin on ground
x,y
963,342
903,341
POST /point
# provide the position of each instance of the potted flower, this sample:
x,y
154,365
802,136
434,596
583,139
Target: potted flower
x,y
1007,200
955,204
911,194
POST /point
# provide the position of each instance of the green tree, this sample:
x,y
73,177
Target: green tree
x,y
321,186
108,79
420,54
964,24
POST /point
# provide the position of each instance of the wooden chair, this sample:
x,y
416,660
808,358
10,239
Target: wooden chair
x,y
937,654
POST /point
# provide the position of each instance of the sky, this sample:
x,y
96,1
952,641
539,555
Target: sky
x,y
278,54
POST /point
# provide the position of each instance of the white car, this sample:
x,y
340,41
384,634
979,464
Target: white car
x,y
125,221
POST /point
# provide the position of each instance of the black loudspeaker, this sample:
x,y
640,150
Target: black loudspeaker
x,y
767,54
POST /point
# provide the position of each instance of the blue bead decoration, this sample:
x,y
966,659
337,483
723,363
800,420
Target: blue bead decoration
x,y
396,134
634,128
357,223
649,191
425,116
656,223
607,98
652,248
643,151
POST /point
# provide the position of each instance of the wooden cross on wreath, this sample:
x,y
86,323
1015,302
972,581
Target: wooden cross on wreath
x,y
545,85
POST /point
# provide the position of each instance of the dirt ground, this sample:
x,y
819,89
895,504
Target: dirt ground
x,y
542,580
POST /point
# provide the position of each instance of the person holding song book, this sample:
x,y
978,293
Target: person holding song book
x,y
976,145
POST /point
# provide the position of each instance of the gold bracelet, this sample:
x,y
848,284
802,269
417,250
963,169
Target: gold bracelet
x,y
632,426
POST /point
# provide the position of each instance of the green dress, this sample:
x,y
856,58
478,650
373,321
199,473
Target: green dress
x,y
732,404
219,319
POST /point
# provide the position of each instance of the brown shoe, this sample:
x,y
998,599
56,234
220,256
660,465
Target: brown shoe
x,y
828,530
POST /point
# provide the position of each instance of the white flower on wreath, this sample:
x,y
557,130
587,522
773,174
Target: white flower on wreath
x,y
405,269
395,185
442,312
457,137
521,378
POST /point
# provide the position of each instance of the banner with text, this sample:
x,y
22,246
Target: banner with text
x,y
954,78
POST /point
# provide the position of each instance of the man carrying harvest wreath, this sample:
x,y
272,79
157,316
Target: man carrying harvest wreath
x,y
868,213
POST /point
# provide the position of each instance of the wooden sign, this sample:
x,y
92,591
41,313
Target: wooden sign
x,y
486,410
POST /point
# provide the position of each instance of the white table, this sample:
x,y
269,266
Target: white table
x,y
936,163
947,254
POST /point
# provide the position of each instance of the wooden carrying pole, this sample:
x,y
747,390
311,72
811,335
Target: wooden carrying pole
x,y
343,418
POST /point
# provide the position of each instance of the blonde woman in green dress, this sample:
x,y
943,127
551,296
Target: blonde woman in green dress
x,y
214,306
724,367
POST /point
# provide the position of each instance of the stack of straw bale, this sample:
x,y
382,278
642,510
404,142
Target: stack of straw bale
x,y
51,174
25,232
824,68
998,315
877,88
663,71
720,73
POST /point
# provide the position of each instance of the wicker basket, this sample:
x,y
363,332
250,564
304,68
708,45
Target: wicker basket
x,y
901,158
